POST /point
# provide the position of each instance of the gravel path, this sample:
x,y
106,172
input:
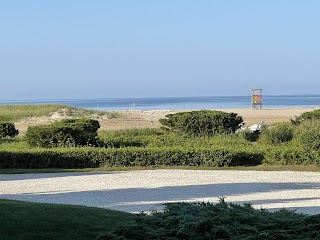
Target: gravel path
x,y
136,191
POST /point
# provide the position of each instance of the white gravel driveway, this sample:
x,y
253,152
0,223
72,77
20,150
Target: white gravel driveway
x,y
136,191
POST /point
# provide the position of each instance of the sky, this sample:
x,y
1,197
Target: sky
x,y
73,49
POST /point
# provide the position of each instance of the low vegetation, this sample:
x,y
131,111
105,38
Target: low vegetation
x,y
7,129
21,220
72,146
219,221
18,112
204,123
312,115
13,113
74,143
66,133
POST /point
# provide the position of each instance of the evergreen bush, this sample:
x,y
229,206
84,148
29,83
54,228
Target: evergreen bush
x,y
204,221
66,133
202,123
8,129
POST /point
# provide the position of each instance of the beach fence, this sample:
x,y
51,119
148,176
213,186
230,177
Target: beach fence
x,y
132,107
132,110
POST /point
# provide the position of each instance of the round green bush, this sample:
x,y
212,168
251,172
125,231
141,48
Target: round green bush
x,y
66,133
8,129
202,123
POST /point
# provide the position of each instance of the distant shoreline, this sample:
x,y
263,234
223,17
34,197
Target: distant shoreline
x,y
180,103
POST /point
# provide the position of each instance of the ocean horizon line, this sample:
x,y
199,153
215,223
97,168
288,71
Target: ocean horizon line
x,y
179,103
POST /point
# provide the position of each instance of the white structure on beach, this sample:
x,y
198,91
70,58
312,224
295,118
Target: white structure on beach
x,y
256,98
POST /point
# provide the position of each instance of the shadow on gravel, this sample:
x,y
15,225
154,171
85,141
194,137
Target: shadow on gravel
x,y
146,199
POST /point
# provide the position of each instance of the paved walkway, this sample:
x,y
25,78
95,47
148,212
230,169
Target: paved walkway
x,y
136,191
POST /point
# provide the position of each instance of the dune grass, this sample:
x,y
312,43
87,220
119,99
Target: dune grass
x,y
18,112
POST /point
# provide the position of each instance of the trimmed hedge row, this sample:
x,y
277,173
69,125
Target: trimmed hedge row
x,y
290,155
93,157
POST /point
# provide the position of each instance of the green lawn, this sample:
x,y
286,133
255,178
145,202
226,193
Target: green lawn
x,y
34,221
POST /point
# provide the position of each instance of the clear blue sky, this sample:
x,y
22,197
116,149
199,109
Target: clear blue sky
x,y
123,48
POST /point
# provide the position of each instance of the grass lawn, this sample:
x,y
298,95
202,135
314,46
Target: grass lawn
x,y
35,221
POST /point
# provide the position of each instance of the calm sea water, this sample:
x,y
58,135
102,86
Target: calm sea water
x,y
180,103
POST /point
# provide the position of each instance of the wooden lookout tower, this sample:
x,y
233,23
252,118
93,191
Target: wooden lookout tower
x,y
256,98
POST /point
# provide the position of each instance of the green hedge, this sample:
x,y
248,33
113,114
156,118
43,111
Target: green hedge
x,y
202,123
8,129
95,157
288,155
66,133
88,157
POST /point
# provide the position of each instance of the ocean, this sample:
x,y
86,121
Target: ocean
x,y
180,103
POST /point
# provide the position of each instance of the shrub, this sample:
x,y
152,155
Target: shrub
x,y
288,154
200,221
279,133
202,123
66,133
250,136
311,115
129,137
308,134
126,157
8,129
